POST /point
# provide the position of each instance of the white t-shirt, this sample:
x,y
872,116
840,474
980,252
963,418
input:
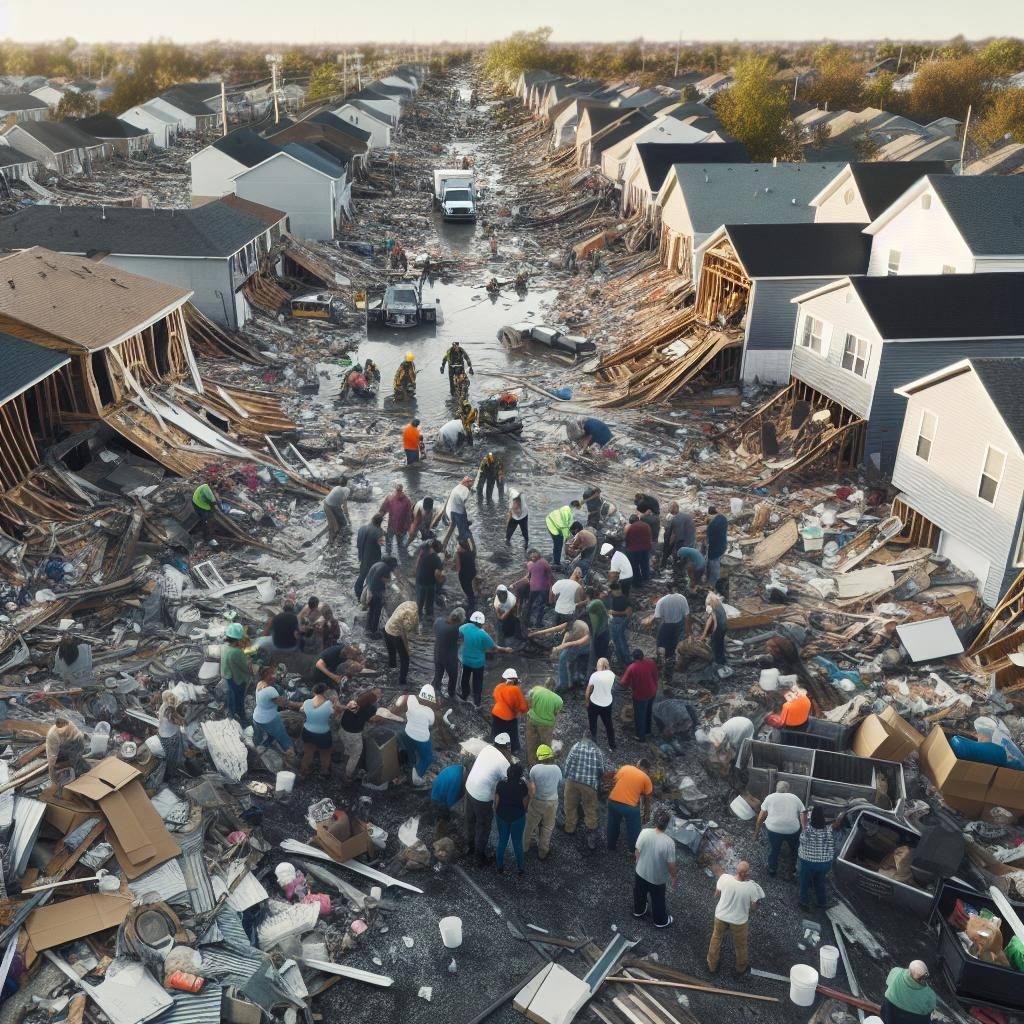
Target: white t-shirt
x,y
457,499
602,682
565,592
620,564
418,720
489,768
737,730
783,810
507,605
734,903
523,510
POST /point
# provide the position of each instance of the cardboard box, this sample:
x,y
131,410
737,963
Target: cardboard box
x,y
342,838
966,786
887,737
57,923
141,841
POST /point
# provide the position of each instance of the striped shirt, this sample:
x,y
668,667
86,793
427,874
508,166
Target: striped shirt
x,y
585,764
817,845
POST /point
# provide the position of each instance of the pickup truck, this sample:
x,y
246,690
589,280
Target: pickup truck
x,y
455,194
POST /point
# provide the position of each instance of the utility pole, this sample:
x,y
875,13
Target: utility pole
x,y
899,60
963,145
224,107
679,45
273,59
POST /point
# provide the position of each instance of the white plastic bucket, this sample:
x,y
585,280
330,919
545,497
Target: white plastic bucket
x,y
741,809
828,961
736,506
265,589
100,739
285,782
769,679
803,981
451,932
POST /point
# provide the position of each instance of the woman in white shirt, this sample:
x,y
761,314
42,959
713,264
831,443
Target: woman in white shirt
x,y
598,699
518,517
419,719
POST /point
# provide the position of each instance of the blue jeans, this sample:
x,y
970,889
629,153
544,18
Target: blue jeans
x,y
571,663
411,455
538,600
587,560
425,594
713,570
775,841
236,701
643,711
511,830
814,873
274,730
461,521
669,634
617,814
424,756
619,627
557,540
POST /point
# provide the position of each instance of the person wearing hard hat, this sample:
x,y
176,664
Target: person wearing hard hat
x,y
489,769
235,670
509,704
412,442
620,569
545,778
405,377
491,474
457,360
476,642
419,718
908,997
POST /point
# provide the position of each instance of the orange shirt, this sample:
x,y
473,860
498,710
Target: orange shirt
x,y
631,784
411,438
796,711
509,702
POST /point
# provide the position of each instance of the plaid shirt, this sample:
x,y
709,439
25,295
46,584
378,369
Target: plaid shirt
x,y
585,764
817,845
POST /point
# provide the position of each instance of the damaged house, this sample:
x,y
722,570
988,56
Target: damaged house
x,y
962,491
23,107
348,144
159,122
124,139
15,165
213,250
661,131
195,105
57,145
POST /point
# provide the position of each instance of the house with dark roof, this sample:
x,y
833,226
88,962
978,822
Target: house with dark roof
x,y
858,340
346,143
662,131
60,146
765,266
15,165
962,490
194,115
385,106
214,167
593,119
23,107
565,118
158,120
366,119
211,250
649,163
952,224
860,192
589,149
124,139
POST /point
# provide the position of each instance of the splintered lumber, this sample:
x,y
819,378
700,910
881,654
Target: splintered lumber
x,y
654,983
211,339
775,545
666,331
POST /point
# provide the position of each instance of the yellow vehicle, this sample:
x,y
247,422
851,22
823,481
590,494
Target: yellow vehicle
x,y
317,306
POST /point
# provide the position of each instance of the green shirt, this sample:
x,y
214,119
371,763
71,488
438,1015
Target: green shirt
x,y
598,617
906,994
234,665
203,497
544,706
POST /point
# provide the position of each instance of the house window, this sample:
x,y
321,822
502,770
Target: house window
x,y
894,262
926,202
947,269
813,334
848,196
856,355
926,435
991,474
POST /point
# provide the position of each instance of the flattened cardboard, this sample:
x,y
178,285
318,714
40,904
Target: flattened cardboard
x,y
141,841
886,736
57,923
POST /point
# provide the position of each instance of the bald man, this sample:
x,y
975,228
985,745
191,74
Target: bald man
x,y
737,896
908,997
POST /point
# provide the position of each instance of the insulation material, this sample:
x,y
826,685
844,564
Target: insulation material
x,y
864,582
224,745
284,921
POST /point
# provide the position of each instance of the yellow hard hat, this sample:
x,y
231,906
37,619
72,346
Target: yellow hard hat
x,y
409,357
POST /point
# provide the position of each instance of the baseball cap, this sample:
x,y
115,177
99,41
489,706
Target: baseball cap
x,y
502,740
545,753
477,617
510,673
607,549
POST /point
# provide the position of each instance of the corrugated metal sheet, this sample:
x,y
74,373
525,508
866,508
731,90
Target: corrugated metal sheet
x,y
232,967
194,1007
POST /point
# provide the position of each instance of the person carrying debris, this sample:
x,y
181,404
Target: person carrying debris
x,y
583,545
452,436
405,377
336,509
908,998
457,360
204,500
65,742
236,670
589,431
795,711
412,442
490,475
506,612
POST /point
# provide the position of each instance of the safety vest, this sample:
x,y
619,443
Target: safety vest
x,y
559,521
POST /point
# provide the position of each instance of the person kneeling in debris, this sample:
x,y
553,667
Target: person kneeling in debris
x,y
589,431
448,789
795,712
73,663
673,722
356,382
452,436
728,740
65,742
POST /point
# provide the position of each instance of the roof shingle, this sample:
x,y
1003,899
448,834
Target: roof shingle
x,y
25,364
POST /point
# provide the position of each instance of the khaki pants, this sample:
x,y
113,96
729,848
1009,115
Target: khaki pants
x,y
575,796
535,736
540,815
739,940
352,744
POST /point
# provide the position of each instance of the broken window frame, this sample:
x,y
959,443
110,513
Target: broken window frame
x,y
922,435
985,475
854,356
808,337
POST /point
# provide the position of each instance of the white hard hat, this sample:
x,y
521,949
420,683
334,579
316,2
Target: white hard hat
x,y
510,673
502,739
477,617
427,693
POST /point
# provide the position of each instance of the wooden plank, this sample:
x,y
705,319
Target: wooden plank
x,y
696,988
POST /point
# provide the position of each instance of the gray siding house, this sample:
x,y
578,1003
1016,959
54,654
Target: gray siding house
x,y
968,484
859,339
210,250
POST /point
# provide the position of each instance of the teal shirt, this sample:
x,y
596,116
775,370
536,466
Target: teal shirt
x,y
906,994
475,645
234,665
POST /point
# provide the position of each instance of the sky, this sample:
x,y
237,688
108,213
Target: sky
x,y
425,21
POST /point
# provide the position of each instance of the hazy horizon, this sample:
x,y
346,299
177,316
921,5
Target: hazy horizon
x,y
572,21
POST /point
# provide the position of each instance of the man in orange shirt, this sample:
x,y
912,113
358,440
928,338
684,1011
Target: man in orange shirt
x,y
629,801
509,704
412,442
795,711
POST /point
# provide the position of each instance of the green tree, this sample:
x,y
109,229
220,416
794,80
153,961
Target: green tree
x,y
689,94
505,60
840,85
945,88
75,104
755,110
324,80
865,146
955,49
1003,57
296,62
1004,117
877,91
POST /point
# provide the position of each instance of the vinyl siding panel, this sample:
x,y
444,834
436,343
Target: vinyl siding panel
x,y
836,210
999,266
926,240
299,191
825,372
771,313
906,361
945,488
211,172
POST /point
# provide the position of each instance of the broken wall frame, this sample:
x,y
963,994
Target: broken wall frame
x,y
918,530
724,287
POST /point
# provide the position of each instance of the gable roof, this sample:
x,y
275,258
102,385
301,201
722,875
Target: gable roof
x,y
601,115
938,306
25,364
360,104
390,91
881,184
750,193
183,100
315,158
617,131
1003,379
21,101
801,250
988,211
89,305
106,126
658,158
329,120
266,215
58,136
245,147
201,91
10,156
154,111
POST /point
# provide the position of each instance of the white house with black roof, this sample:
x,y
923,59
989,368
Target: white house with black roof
x,y
23,106
860,192
124,139
859,339
58,145
966,483
367,119
951,224
160,122
211,250
193,114
214,167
